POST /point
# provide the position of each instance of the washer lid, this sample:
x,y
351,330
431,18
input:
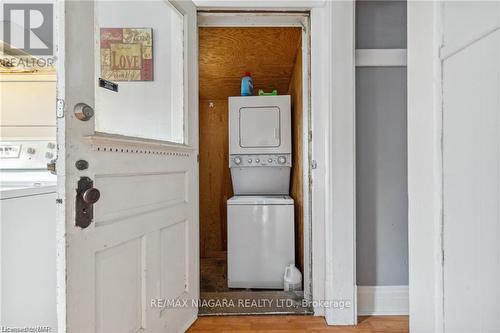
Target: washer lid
x,y
260,200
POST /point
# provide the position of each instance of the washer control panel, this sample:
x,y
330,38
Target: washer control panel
x,y
27,154
274,160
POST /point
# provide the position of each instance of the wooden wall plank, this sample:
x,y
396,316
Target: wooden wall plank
x,y
226,53
297,186
215,177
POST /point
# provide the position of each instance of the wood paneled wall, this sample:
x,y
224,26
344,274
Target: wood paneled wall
x,y
215,177
227,53
297,186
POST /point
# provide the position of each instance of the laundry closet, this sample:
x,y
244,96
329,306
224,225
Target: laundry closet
x,y
252,152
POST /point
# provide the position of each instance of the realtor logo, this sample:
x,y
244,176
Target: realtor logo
x,y
29,28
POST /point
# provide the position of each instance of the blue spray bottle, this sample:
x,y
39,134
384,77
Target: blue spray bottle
x,y
247,85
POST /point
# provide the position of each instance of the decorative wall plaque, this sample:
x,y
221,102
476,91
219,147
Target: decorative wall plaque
x,y
127,54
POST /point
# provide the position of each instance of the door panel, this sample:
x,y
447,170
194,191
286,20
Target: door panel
x,y
151,192
118,280
174,258
142,244
465,21
471,181
260,127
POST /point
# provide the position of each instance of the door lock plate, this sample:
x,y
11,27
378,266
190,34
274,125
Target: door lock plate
x,y
86,197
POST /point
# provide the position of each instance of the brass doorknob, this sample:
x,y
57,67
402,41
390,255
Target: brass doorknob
x,y
83,111
91,195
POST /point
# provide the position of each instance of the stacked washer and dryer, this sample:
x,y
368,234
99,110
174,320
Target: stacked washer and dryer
x,y
261,212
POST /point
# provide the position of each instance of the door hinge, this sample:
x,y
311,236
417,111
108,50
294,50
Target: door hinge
x,y
51,166
198,158
310,136
314,164
60,108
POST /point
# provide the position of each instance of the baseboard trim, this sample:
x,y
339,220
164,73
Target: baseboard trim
x,y
382,300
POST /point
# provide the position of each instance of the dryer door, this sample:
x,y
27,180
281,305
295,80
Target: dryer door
x,y
260,127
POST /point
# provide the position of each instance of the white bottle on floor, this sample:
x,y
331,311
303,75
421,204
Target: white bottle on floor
x,y
292,279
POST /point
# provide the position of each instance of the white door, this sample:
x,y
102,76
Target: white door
x,y
125,258
471,166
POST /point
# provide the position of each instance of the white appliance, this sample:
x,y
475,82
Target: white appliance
x,y
261,214
27,234
260,237
260,144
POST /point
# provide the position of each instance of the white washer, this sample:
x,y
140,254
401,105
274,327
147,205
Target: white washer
x,y
260,240
260,144
27,234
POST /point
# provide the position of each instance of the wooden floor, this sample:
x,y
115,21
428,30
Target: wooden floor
x,y
279,324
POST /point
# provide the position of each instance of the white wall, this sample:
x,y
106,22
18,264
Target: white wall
x,y
27,106
381,178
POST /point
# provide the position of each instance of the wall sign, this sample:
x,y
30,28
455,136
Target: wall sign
x,y
127,54
106,84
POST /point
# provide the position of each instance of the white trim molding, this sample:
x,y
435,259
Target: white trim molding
x,y
425,247
279,5
340,161
380,57
382,300
282,19
251,19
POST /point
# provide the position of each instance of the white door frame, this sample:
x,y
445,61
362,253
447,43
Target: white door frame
x,y
276,19
333,97
425,220
333,149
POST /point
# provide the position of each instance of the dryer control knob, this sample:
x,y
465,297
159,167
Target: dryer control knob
x,y
282,160
270,160
237,160
257,161
249,160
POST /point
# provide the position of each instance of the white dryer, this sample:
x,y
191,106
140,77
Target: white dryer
x,y
260,144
